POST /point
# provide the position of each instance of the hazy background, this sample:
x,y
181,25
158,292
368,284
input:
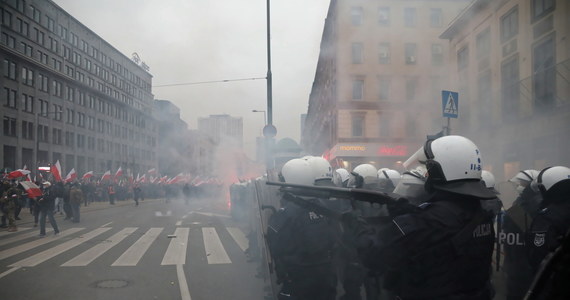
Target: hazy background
x,y
186,41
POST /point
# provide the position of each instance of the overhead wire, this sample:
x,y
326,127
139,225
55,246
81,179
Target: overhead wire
x,y
207,82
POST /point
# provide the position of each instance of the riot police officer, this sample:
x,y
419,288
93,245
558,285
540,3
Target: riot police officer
x,y
443,249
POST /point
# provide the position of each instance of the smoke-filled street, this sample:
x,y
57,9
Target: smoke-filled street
x,y
156,250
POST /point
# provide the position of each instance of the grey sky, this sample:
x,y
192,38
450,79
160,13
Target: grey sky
x,y
202,40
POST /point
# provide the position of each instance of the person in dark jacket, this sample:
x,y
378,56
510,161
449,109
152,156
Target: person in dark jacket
x,y
76,197
443,249
47,203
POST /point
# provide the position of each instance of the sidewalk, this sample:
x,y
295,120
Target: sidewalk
x,y
27,219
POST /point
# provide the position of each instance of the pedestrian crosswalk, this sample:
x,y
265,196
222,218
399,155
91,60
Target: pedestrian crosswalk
x,y
98,242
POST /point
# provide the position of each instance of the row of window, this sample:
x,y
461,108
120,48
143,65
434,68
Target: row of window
x,y
410,53
39,36
384,87
70,139
385,126
409,15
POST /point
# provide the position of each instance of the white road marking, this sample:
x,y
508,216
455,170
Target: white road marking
x,y
239,237
33,244
6,232
22,237
176,252
158,214
212,214
169,213
178,223
9,271
215,251
132,256
182,283
37,259
106,224
90,255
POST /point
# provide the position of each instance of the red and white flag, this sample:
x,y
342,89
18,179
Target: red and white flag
x,y
142,179
32,189
71,176
18,173
87,175
106,175
56,171
152,171
119,173
163,179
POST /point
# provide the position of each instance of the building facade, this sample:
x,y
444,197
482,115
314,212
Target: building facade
x,y
377,88
223,129
68,95
511,66
174,139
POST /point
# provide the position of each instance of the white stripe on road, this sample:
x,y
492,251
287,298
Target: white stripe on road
x,y
52,252
6,232
212,214
176,252
106,224
239,237
184,292
33,244
214,249
90,255
9,271
133,255
22,237
178,223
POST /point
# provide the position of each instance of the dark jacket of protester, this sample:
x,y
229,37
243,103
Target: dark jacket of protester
x,y
47,200
442,250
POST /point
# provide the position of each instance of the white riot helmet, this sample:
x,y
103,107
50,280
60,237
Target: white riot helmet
x,y
411,187
298,171
321,167
488,178
552,182
341,177
524,178
368,172
388,174
454,165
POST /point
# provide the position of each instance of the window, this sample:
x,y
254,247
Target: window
x,y
483,43
8,40
462,58
356,15
90,123
62,32
544,74
69,139
69,93
357,125
74,39
81,98
84,46
80,119
56,64
91,102
27,76
56,136
27,130
70,116
411,53
356,51
9,126
384,53
58,112
69,71
54,45
43,133
10,69
541,8
43,107
10,96
23,27
56,88
43,57
27,49
36,14
90,143
384,16
410,16
80,141
510,88
436,54
43,83
510,24
357,89
384,88
27,103
385,124
50,24
6,18
411,87
436,17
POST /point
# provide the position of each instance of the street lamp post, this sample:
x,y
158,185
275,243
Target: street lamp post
x,y
264,115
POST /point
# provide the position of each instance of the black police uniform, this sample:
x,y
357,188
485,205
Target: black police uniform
x,y
515,224
302,244
442,250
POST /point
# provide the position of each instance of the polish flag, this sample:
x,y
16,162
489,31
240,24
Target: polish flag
x,y
56,171
106,176
71,176
119,173
87,175
32,189
18,173
163,179
152,171
142,179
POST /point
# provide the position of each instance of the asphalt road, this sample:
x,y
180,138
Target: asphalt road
x,y
156,250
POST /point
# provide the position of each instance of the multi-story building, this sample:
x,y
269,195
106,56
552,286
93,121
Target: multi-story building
x,y
377,88
68,95
223,129
510,62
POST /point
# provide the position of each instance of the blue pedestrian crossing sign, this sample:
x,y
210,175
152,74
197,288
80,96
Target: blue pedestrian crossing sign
x,y
450,104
